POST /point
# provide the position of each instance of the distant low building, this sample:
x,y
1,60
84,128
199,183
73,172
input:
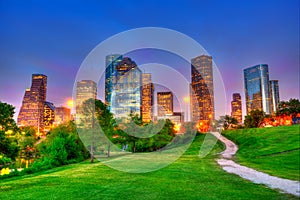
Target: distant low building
x,y
176,117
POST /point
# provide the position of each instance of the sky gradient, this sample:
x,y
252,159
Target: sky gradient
x,y
54,37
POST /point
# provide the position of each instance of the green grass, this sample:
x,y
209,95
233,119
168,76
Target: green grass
x,y
274,150
189,177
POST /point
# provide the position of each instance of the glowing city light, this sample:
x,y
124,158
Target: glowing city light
x,y
186,99
177,127
70,103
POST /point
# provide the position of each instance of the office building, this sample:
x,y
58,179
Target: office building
x,y
256,81
164,103
32,109
236,107
48,116
274,90
85,89
202,92
111,63
126,91
62,115
147,98
177,118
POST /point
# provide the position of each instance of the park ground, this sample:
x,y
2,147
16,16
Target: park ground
x,y
272,150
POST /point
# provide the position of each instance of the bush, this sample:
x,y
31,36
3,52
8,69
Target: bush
x,y
4,160
63,146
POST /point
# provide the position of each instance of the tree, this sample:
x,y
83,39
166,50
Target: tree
x,y
27,140
106,121
63,145
291,107
95,113
254,118
226,121
6,117
8,146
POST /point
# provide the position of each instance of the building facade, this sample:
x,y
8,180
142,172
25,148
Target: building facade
x,y
147,98
164,104
62,115
236,107
256,81
48,116
126,91
274,90
111,63
32,109
85,89
202,92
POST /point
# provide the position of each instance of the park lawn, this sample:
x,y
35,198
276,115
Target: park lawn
x,y
274,150
189,177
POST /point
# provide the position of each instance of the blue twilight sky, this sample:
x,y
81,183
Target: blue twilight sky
x,y
53,38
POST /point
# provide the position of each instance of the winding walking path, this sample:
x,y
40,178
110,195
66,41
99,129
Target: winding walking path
x,y
285,185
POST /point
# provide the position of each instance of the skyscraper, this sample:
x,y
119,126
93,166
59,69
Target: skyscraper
x,y
236,107
32,109
111,63
274,90
147,97
48,116
257,93
202,91
126,91
85,89
164,103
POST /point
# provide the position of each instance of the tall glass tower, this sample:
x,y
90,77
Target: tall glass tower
x,y
126,89
274,90
256,80
111,63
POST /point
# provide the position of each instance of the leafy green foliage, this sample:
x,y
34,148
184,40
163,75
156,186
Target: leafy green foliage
x,y
147,137
254,119
291,107
226,121
4,160
138,136
8,146
6,117
63,145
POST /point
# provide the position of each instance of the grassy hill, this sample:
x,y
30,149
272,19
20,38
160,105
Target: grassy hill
x,y
274,150
188,178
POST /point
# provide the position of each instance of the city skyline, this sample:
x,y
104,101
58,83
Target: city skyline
x,y
234,42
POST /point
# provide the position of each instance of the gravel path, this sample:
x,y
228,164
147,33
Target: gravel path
x,y
285,185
